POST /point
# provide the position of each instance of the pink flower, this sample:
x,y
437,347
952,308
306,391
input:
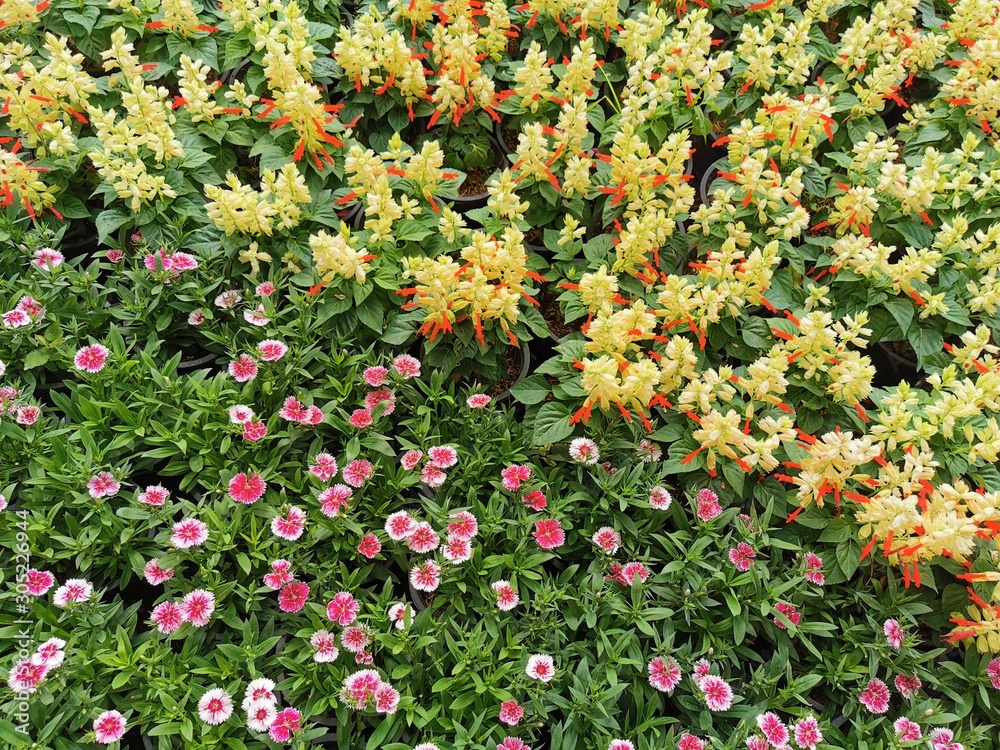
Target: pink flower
x,y
993,672
398,614
167,617
708,505
407,366
47,258
29,305
243,369
941,739
432,476
247,488
369,546
807,734
510,712
183,262
260,714
717,693
324,466
109,727
155,495
343,608
549,533
649,451
906,730
15,319
189,532
281,573
511,743
814,569
664,674
375,376
91,358
701,669
240,414
359,688
507,597
535,500
660,498
215,706
254,431
326,646
908,686
426,577
50,653
742,556
627,573
773,728
443,456
291,525
155,575
312,417
875,696
38,582
457,551
423,539
540,667
688,741
271,350
360,418
410,459
103,485
26,676
257,316
197,607
894,633
358,471
355,639
584,451
261,689
265,289
227,300
293,597
292,410
386,699
382,396
196,317
286,724
463,525
478,401
621,745
27,415
334,499
514,475
789,611
399,525
757,743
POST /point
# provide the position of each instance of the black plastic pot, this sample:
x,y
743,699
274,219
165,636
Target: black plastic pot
x,y
706,179
465,203
522,374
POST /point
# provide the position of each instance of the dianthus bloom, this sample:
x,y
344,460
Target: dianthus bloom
x,y
291,525
426,577
718,695
398,614
649,451
688,741
286,724
432,476
659,497
422,538
789,611
894,633
664,674
103,484
407,366
260,714
814,569
993,672
265,289
906,729
243,369
549,533
478,401
343,608
507,597
360,418
27,415
456,550
247,488
607,539
281,573
773,728
324,467
908,686
355,639
326,646
535,500
742,556
375,376
540,667
625,574
513,476
91,358
215,706
155,575
584,451
38,582
155,495
463,525
293,596
334,499
399,525
511,743
369,546
510,712
240,414
382,397
189,532
167,617
109,727
875,696
271,350
708,505
358,471
443,456
410,459
197,607
254,431
807,734
941,739
47,258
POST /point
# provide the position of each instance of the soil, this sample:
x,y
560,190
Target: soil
x,y
512,356
553,315
510,138
513,46
831,29
719,128
475,182
534,237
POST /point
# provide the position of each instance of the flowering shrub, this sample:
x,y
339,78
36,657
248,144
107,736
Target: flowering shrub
x,y
564,374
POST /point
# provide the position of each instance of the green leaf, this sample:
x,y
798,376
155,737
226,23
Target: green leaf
x,y
110,220
925,342
532,390
916,234
36,358
902,311
552,424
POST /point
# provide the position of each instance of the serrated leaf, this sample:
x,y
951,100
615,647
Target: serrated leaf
x,y
552,424
531,390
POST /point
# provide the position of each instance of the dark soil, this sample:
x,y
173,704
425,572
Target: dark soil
x,y
719,128
512,356
475,182
513,46
831,29
534,237
510,138
553,315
